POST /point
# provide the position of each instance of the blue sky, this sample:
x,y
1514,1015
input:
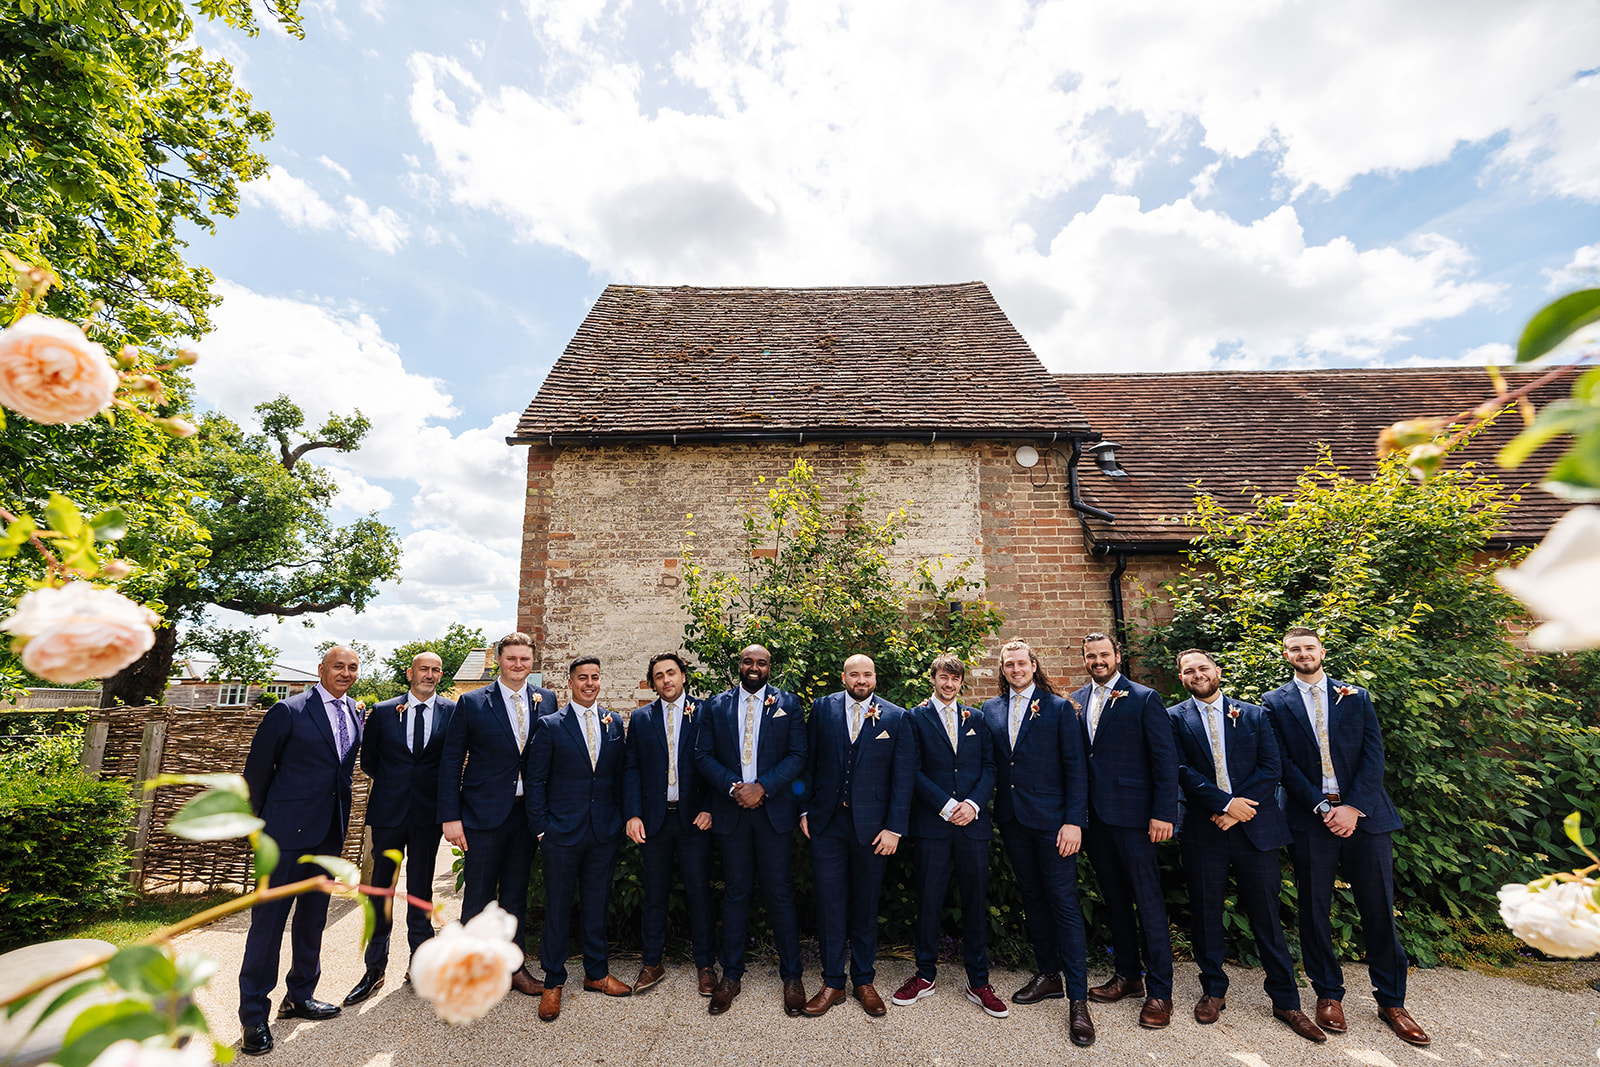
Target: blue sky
x,y
1154,186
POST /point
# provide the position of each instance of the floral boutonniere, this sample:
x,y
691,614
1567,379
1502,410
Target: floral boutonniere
x,y
1118,694
537,697
1233,717
966,713
1034,709
771,700
688,710
605,720
1344,691
872,712
400,711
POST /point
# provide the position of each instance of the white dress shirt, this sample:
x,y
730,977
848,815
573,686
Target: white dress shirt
x,y
748,770
950,805
1018,710
332,710
1216,713
423,706
528,715
672,722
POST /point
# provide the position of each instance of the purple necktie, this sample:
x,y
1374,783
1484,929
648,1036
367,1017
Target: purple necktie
x,y
344,731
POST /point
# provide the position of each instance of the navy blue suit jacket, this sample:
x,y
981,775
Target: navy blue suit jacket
x,y
780,758
405,785
1042,784
567,796
884,775
644,781
480,727
1251,751
298,784
1354,742
966,772
1133,763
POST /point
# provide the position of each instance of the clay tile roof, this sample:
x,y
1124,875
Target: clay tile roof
x,y
651,362
1237,432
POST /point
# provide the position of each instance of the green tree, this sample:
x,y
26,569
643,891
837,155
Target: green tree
x,y
1393,575
820,586
274,551
452,648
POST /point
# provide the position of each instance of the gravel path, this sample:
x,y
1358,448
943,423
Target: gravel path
x,y
1473,1018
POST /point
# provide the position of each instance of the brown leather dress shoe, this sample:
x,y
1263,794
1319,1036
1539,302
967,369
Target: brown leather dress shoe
x,y
550,1004
708,981
648,976
1405,1027
1116,989
826,998
722,996
610,985
794,997
1208,1009
1296,1020
1330,1015
1040,987
525,983
1156,1014
870,1000
1079,1024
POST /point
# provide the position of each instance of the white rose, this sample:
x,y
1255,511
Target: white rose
x,y
80,631
466,970
1560,919
1560,580
126,1053
52,373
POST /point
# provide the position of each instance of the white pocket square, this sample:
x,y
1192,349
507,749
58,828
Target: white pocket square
x,y
780,713
881,736
972,733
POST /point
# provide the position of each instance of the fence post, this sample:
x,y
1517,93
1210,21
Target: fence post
x,y
93,756
150,748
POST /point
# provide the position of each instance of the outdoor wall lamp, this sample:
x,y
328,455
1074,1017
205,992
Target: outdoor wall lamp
x,y
1105,457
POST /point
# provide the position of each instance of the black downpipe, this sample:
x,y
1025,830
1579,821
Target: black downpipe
x,y
1072,488
1118,619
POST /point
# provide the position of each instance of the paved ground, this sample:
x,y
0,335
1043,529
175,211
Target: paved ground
x,y
1474,1019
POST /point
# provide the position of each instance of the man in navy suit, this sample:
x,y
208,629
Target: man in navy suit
x,y
1041,807
669,817
862,770
400,747
751,750
299,768
482,800
1342,820
575,766
951,829
1228,768
1133,804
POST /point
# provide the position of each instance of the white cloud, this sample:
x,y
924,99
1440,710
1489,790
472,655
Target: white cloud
x,y
302,207
462,522
334,166
881,144
1558,144
1582,271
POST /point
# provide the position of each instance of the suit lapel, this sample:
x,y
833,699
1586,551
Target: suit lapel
x,y
1195,723
1334,706
502,715
319,719
1302,716
575,729
1027,717
1230,727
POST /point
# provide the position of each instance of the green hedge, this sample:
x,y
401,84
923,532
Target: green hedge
x,y
62,858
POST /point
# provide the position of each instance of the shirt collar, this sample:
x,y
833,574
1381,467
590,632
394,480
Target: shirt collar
x,y
1306,687
1025,694
1217,702
1111,685
506,692
414,701
328,698
942,708
584,710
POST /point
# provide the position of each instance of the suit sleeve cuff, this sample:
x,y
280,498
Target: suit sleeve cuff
x,y
948,810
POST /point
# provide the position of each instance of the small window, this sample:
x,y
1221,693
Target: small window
x,y
232,694
276,692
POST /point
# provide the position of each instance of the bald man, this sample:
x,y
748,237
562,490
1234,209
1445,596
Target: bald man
x,y
299,769
400,749
861,774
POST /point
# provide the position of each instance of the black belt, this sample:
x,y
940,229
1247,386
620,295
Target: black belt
x,y
672,805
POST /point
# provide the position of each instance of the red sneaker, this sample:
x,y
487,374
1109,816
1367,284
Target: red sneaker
x,y
914,990
985,998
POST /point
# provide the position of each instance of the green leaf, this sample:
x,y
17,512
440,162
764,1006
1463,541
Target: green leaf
x,y
68,995
215,816
339,869
1557,321
100,1025
1573,825
369,918
110,525
143,969
266,856
228,783
1557,418
194,970
64,516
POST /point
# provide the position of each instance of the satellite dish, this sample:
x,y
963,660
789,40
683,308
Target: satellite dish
x,y
1027,456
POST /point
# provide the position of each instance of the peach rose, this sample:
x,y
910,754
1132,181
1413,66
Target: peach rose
x,y
127,1053
1558,918
80,631
51,373
466,970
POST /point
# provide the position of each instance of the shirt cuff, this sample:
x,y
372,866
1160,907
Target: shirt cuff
x,y
948,810
976,811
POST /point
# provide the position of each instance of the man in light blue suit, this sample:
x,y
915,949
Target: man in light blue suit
x,y
1228,768
482,799
1342,820
863,768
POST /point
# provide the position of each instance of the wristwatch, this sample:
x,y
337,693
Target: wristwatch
x,y
1323,808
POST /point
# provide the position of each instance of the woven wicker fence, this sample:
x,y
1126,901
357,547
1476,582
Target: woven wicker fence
x,y
139,743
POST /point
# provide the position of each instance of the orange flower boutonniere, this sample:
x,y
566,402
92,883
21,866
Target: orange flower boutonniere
x,y
1118,694
771,700
966,713
872,712
1034,708
1233,717
688,710
606,720
1344,691
537,696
